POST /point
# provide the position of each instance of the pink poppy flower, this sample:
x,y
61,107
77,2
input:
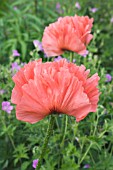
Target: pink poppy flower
x,y
68,33
54,88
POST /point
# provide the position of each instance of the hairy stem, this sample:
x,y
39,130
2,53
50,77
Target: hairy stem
x,y
48,134
64,129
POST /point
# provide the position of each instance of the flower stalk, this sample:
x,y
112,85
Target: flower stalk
x,y
49,131
71,56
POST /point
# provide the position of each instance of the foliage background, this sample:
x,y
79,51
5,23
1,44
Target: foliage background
x,y
91,140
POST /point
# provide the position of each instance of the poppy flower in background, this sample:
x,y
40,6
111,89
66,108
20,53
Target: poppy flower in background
x,y
54,87
68,33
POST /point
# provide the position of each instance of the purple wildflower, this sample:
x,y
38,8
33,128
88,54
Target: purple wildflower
x,y
108,77
15,8
15,53
111,20
93,10
58,58
58,8
38,45
58,5
74,60
2,91
86,166
77,5
15,66
45,55
35,162
86,53
7,107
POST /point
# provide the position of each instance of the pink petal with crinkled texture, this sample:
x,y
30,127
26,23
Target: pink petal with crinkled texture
x,y
68,33
92,91
54,87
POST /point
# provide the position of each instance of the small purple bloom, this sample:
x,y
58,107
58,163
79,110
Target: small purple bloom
x,y
45,55
38,45
58,58
15,66
85,54
77,5
58,8
86,166
2,91
111,20
58,5
15,53
35,162
108,77
7,107
93,10
74,60
15,8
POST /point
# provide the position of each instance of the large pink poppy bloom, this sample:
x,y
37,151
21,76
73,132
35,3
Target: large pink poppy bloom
x,y
54,87
68,33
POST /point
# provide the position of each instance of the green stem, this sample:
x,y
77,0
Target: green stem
x,y
49,131
71,56
10,138
36,4
64,129
96,123
44,3
85,153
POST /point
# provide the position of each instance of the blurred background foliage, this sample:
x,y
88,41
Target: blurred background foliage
x,y
88,142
